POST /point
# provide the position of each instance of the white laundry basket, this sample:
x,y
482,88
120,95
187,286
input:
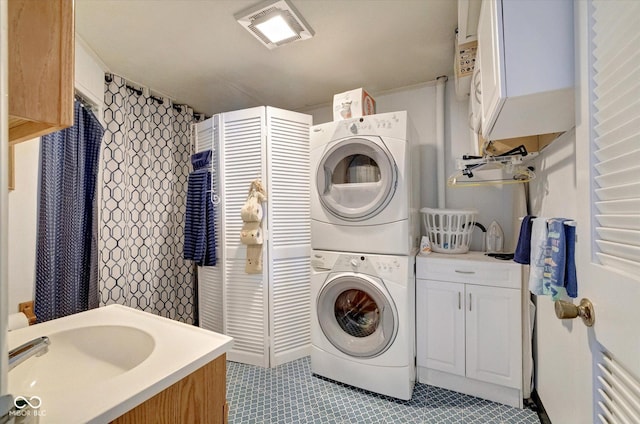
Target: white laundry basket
x,y
449,230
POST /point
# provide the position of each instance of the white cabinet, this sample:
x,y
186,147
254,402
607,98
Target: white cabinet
x,y
469,325
440,324
493,336
525,60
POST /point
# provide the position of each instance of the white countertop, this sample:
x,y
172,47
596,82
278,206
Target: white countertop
x,y
471,255
179,350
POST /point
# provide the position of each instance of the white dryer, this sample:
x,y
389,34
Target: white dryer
x,y
364,191
363,321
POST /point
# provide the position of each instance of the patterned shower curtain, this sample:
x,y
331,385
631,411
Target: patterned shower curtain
x,y
145,167
66,255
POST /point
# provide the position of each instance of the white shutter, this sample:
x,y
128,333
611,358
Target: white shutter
x,y
616,132
267,314
245,306
619,392
289,206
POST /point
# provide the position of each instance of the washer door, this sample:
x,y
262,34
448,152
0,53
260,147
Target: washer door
x,y
356,316
356,178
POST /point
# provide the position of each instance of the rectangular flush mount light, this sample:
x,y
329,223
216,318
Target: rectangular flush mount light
x,y
275,23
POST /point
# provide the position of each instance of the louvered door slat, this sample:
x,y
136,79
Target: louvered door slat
x,y
619,392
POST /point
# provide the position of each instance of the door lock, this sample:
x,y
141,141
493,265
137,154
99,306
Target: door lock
x,y
566,310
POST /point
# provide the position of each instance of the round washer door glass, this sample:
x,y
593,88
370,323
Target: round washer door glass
x,y
356,316
356,178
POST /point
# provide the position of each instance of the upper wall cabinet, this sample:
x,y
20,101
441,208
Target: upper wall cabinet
x,y
525,52
41,67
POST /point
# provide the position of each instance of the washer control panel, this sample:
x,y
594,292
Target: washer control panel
x,y
392,268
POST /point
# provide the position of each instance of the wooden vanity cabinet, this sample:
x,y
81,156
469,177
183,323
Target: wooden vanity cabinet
x,y
41,67
200,397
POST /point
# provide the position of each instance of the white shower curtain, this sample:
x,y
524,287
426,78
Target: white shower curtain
x,y
145,166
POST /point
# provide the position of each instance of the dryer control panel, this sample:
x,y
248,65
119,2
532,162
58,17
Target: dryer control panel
x,y
392,124
374,124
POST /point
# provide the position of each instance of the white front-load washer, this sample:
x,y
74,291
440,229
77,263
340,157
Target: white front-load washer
x,y
363,321
364,190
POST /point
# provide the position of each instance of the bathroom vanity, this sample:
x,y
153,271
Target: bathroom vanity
x,y
117,364
469,325
197,398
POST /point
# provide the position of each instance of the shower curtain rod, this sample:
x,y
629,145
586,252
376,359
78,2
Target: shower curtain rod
x,y
108,77
84,102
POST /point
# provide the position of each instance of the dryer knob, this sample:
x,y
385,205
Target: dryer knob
x,y
354,263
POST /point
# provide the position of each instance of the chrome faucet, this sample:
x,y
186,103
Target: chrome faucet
x,y
35,347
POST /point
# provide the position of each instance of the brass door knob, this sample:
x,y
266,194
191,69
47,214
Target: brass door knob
x,y
566,310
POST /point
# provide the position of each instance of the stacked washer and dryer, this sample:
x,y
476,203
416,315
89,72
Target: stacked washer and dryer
x,y
364,237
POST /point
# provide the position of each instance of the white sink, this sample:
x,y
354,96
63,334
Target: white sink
x,y
82,356
104,362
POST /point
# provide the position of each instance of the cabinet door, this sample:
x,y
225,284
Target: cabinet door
x,y
493,325
440,326
40,67
490,62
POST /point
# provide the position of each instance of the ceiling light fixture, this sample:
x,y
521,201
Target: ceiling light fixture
x,y
274,23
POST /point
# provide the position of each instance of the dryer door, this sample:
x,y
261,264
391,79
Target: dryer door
x,y
356,178
357,316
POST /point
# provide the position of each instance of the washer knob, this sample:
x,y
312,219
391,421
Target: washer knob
x,y
354,263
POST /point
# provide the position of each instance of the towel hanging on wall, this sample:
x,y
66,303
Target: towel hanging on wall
x,y
522,254
199,228
538,248
251,233
559,265
552,258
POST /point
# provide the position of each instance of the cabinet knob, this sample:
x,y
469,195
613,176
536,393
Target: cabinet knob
x,y
566,310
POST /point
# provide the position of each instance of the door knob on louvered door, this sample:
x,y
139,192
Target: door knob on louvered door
x,y
566,310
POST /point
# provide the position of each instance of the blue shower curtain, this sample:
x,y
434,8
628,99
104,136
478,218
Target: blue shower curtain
x,y
66,247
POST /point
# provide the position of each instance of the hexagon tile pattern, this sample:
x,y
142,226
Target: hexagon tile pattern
x,y
290,393
145,166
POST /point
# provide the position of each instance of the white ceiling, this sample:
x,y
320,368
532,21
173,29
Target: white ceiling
x,y
196,53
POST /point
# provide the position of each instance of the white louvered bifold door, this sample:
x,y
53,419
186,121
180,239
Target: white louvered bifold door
x,y
616,194
289,234
246,295
210,283
608,200
617,134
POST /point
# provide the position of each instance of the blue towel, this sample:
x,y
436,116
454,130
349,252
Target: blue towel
x,y
199,229
571,279
559,267
523,250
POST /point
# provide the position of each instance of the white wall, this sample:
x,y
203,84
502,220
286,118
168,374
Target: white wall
x,y
492,202
22,224
563,370
89,75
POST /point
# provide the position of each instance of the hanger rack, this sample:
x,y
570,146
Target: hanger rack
x,y
193,143
511,164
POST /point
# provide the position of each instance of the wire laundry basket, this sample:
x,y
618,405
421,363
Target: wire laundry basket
x,y
449,230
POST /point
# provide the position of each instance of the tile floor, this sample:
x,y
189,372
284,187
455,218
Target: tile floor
x,y
291,394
